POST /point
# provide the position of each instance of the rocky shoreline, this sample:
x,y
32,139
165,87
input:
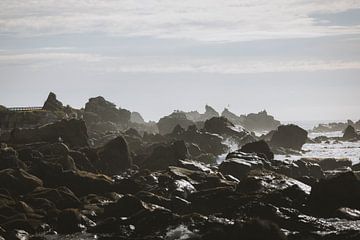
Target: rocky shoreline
x,y
94,174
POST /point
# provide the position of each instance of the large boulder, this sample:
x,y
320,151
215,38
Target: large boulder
x,y
114,156
165,155
328,195
52,104
350,133
107,111
223,127
73,132
289,136
261,148
205,141
239,164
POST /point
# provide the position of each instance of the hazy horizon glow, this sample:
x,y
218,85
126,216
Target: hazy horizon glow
x,y
298,59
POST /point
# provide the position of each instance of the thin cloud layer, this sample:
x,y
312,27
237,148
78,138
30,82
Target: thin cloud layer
x,y
203,20
106,64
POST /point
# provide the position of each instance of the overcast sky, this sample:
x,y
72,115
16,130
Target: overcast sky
x,y
299,59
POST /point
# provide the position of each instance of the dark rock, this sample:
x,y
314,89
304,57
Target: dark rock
x,y
166,155
261,148
18,181
350,133
9,158
167,124
289,136
239,164
69,221
107,111
52,104
72,132
260,121
206,142
62,197
328,195
114,156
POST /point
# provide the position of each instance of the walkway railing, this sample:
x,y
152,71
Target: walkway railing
x,y
25,109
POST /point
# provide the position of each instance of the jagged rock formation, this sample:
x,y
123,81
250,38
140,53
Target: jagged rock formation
x,y
260,121
136,118
289,136
225,128
52,104
167,124
336,126
232,117
350,133
107,111
195,116
61,185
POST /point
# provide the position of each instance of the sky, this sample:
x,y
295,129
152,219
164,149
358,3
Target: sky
x,y
298,59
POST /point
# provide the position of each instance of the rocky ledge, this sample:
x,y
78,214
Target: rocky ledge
x,y
52,183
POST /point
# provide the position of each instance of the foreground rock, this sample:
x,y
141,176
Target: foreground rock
x,y
289,136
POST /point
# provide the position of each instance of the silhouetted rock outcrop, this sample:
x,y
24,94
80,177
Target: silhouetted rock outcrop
x,y
225,128
52,104
107,111
350,133
195,116
289,136
167,124
260,121
232,117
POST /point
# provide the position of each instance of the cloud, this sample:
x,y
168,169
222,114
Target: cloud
x,y
202,20
161,64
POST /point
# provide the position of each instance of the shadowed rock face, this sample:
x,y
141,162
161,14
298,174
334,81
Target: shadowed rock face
x,y
73,132
107,111
289,136
114,156
52,104
261,148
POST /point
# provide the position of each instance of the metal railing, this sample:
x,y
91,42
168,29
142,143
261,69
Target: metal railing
x,y
25,109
